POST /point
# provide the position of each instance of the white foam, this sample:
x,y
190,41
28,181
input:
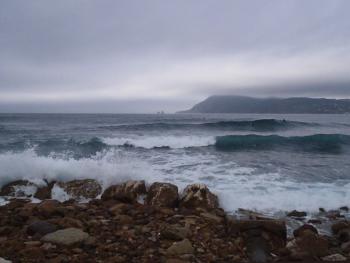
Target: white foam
x,y
107,168
237,186
149,142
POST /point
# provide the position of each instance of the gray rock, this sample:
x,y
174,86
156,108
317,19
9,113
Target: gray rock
x,y
334,257
68,236
180,248
2,260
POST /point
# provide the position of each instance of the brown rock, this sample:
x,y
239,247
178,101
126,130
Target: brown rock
x,y
299,231
44,192
81,189
163,194
336,227
198,195
344,235
312,244
48,208
126,192
15,189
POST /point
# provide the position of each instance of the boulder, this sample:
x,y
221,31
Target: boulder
x,y
41,228
81,189
163,195
126,192
68,236
198,195
344,235
336,227
346,247
19,188
299,231
180,248
334,257
311,244
296,213
44,192
2,260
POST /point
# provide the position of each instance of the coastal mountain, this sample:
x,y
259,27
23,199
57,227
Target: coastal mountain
x,y
240,104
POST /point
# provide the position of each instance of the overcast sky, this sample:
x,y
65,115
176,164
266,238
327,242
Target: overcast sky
x,y
146,56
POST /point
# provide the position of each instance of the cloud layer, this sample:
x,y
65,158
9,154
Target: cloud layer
x,y
133,56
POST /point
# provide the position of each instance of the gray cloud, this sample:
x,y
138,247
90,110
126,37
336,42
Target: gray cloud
x,y
133,53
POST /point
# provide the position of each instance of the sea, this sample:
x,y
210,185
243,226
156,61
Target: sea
x,y
259,162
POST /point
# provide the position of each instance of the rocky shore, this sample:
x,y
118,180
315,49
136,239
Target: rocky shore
x,y
130,222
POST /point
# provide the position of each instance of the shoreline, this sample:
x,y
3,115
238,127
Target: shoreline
x,y
132,223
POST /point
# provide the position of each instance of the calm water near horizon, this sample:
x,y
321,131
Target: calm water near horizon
x,y
264,162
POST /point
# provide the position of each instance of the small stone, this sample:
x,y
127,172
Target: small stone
x,y
334,257
68,236
175,233
211,217
33,243
180,248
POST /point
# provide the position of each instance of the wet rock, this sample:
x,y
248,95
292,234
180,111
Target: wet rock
x,y
299,231
175,233
126,192
32,243
312,244
346,247
41,228
68,236
44,192
81,189
19,188
198,195
163,195
334,257
336,227
344,235
180,248
296,213
2,260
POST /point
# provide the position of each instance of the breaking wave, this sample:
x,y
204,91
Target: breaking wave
x,y
330,143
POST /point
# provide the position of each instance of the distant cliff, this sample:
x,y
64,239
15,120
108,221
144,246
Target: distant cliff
x,y
239,104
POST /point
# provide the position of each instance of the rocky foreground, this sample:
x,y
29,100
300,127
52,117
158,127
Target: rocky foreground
x,y
130,223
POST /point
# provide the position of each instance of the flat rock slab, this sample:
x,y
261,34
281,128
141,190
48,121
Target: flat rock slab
x,y
68,236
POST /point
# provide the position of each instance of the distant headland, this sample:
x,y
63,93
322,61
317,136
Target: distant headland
x,y
296,105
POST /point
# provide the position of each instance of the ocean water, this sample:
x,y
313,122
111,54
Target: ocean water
x,y
263,162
